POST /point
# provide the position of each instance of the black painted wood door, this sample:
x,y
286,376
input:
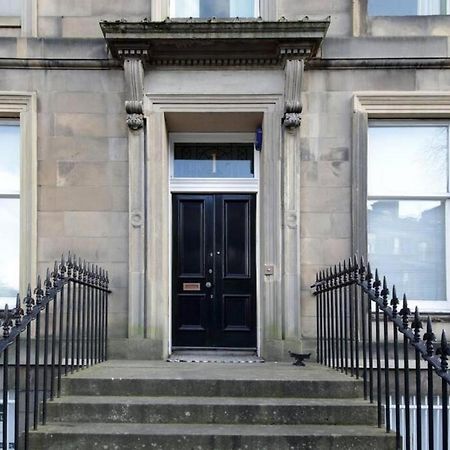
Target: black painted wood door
x,y
214,282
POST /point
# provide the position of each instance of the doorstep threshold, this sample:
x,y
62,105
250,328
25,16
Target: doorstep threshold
x,y
217,355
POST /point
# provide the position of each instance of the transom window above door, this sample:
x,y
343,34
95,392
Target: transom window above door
x,y
223,9
213,160
408,7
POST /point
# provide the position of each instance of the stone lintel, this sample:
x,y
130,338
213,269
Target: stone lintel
x,y
212,42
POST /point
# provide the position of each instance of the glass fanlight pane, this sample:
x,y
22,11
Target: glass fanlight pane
x,y
213,160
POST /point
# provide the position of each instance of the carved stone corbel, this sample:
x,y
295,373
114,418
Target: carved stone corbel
x,y
293,89
134,78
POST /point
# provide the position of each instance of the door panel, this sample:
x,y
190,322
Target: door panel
x,y
214,272
191,244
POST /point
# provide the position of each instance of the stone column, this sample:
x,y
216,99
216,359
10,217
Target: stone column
x,y
134,77
291,202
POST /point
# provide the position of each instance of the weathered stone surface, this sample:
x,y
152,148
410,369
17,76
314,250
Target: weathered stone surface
x,y
166,405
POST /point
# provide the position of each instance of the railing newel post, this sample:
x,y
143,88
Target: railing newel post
x,y
364,306
429,338
29,302
368,302
377,285
416,325
444,352
394,304
61,276
18,313
384,296
47,285
404,313
106,313
334,318
341,319
39,293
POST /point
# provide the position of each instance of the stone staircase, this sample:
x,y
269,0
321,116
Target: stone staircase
x,y
160,405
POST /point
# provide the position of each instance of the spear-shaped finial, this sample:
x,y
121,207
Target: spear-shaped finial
x,y
444,352
385,293
394,301
29,300
416,325
38,292
7,321
18,313
405,312
429,337
377,284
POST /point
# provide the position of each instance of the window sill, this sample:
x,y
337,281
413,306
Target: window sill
x,y
408,26
10,22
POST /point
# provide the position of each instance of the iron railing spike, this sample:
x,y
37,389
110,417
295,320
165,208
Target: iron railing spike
x,y
405,312
394,301
7,322
429,337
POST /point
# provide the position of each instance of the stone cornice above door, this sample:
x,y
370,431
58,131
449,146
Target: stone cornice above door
x,y
196,42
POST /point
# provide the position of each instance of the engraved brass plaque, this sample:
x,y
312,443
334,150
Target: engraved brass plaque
x,y
191,286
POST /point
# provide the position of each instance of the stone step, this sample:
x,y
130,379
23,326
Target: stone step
x,y
89,436
213,388
210,410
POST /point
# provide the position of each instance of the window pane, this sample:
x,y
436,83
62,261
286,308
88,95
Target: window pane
x,y
213,160
212,8
10,7
184,8
9,255
406,7
407,160
242,8
406,242
9,159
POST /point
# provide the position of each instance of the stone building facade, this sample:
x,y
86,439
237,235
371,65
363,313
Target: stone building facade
x,y
103,92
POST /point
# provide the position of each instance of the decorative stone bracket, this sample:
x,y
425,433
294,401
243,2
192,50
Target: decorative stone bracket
x,y
293,89
134,77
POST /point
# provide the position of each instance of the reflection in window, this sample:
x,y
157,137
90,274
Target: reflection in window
x,y
408,191
213,160
408,7
9,211
10,7
407,240
214,8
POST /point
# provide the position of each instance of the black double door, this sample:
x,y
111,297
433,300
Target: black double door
x,y
214,283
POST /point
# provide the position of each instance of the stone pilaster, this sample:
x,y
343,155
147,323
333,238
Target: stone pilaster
x,y
291,200
134,77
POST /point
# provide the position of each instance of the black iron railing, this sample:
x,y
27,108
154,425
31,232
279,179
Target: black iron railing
x,y
362,330
62,327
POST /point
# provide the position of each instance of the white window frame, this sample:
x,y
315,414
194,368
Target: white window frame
x,y
26,21
178,184
22,106
160,10
363,24
431,305
447,12
256,10
409,106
